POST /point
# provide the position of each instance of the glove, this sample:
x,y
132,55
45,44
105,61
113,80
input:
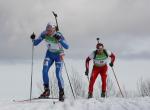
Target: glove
x,y
111,64
87,72
58,37
32,36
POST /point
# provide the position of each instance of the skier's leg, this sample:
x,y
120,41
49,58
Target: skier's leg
x,y
59,66
59,77
46,65
94,75
103,71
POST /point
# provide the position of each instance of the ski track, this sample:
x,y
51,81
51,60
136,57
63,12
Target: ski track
x,y
80,104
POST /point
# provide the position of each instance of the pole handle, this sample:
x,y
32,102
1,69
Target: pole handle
x,y
55,15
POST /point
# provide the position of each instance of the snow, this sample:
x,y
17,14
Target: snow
x,y
18,74
80,104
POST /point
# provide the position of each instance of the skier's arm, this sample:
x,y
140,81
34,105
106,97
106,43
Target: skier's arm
x,y
61,40
91,56
87,63
39,39
64,43
112,56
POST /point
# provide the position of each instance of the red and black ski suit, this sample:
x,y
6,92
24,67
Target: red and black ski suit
x,y
99,67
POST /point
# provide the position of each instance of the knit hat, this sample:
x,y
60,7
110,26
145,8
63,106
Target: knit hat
x,y
49,25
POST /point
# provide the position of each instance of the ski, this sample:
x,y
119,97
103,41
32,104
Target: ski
x,y
26,100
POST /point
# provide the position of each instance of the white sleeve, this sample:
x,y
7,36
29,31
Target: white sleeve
x,y
108,52
91,56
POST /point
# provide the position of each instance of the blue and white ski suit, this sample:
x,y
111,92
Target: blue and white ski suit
x,y
55,53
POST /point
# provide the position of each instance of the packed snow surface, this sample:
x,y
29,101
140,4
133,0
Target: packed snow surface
x,y
79,104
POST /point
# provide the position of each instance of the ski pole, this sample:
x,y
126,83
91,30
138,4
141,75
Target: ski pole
x,y
88,78
57,29
51,90
69,80
31,72
63,60
117,81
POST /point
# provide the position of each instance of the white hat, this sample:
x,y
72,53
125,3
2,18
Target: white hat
x,y
49,25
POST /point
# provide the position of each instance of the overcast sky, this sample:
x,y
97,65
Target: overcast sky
x,y
122,25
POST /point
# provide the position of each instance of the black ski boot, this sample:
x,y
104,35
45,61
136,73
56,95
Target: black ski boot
x,y
90,95
46,92
61,95
103,94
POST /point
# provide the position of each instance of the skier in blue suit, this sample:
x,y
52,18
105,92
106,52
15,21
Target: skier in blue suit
x,y
55,53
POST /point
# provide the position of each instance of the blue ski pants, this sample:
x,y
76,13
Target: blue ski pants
x,y
50,58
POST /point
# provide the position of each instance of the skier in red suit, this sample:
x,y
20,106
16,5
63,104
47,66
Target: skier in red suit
x,y
100,58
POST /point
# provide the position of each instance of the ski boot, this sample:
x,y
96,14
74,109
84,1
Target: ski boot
x,y
46,93
90,95
61,95
103,94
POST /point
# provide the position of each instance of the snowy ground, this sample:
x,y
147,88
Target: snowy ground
x,y
18,74
80,104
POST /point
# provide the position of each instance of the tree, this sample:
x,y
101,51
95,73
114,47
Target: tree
x,y
144,87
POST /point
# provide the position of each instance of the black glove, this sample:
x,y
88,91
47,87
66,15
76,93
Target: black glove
x,y
87,72
32,36
58,37
111,64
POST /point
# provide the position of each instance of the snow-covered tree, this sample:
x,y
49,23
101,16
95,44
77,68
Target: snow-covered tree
x,y
144,87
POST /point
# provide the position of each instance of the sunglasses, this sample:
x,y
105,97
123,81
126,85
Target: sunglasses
x,y
100,47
